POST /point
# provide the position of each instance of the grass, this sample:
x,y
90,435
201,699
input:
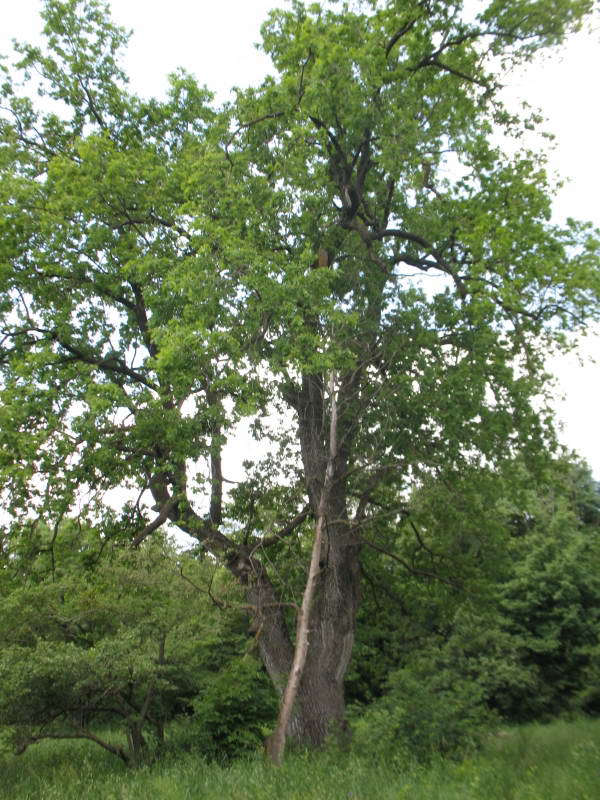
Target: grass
x,y
560,761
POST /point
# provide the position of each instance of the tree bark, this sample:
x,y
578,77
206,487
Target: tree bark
x,y
321,705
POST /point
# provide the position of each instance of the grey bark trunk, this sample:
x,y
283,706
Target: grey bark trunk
x,y
276,743
321,705
318,698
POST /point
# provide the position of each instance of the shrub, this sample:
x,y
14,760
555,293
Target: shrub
x,y
231,715
430,710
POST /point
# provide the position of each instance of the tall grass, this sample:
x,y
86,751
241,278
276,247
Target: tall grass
x,y
560,761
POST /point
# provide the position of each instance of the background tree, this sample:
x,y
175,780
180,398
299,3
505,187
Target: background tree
x,y
515,632
91,642
167,269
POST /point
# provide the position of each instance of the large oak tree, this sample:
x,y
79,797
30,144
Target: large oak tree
x,y
346,236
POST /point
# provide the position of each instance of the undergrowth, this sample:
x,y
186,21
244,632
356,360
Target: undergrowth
x,y
559,761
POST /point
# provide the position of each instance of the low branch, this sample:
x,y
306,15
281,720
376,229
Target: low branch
x,y
421,542
218,603
223,605
81,733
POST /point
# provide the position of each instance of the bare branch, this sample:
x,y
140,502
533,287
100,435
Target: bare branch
x,y
420,573
435,62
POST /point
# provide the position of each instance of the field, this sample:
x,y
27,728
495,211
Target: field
x,y
560,761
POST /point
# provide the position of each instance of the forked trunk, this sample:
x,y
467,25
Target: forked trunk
x,y
319,705
320,708
312,705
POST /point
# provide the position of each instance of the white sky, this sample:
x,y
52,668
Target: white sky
x,y
214,40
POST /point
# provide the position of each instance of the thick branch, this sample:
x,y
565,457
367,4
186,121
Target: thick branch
x,y
435,62
81,733
399,34
283,532
141,315
216,472
162,517
183,515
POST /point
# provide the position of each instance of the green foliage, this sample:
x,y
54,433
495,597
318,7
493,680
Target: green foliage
x,y
162,277
422,718
435,705
445,558
232,712
539,656
124,643
157,255
515,628
550,607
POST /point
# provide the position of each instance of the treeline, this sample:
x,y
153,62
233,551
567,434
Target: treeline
x,y
486,611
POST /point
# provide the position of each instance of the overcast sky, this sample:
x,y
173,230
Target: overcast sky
x,y
214,39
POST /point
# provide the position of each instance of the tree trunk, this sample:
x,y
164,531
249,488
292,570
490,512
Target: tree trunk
x,y
138,747
321,705
320,709
325,633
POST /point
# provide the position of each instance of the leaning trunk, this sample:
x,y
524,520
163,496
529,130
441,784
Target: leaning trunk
x,y
275,744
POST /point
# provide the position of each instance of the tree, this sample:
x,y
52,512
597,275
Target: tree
x,y
168,268
522,640
113,645
549,603
94,636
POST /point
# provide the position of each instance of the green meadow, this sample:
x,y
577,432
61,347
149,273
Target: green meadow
x,y
559,761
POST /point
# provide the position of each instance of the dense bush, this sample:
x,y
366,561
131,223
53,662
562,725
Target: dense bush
x,y
511,628
551,610
429,711
231,713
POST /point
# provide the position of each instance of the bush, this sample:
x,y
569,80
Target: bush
x,y
232,713
430,710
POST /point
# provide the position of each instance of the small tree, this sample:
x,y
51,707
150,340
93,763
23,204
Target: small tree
x,y
108,652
